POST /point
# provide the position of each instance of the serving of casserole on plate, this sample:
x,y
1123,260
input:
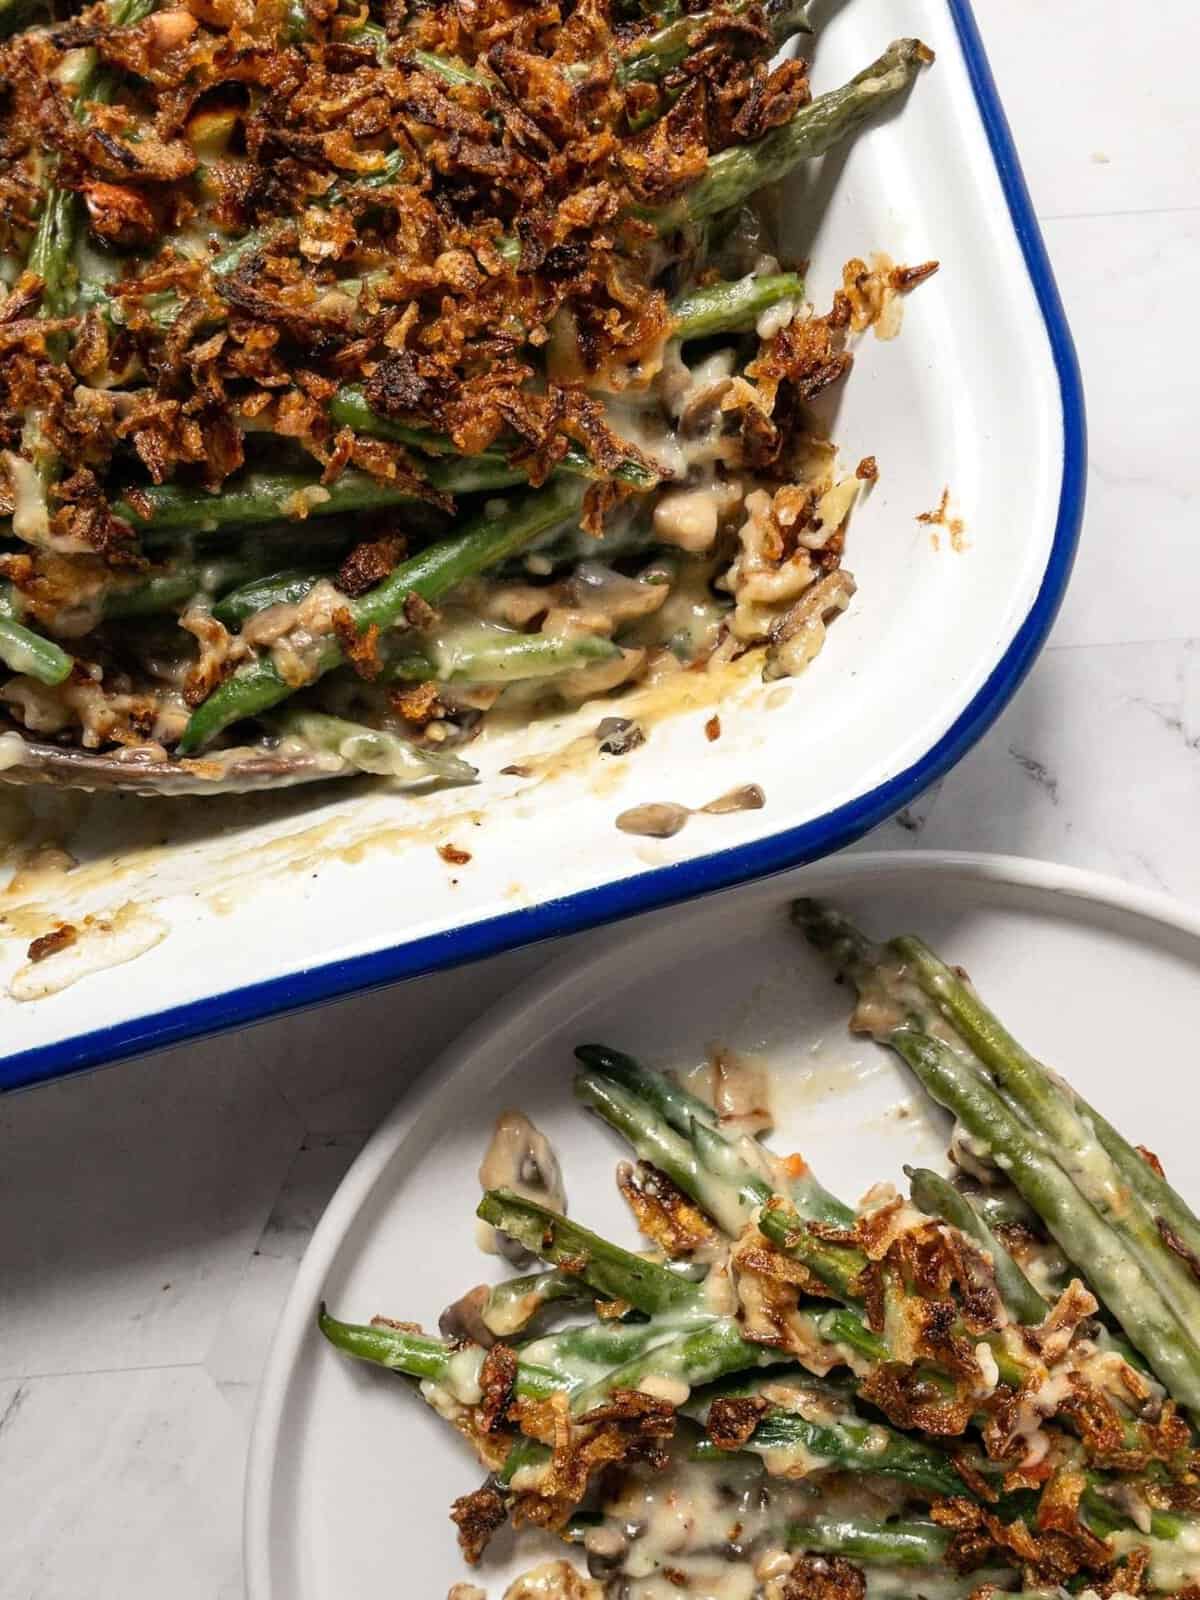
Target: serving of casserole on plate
x,y
318,538
891,1384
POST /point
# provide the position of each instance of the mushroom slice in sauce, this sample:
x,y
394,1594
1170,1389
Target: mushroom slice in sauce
x,y
739,1090
519,1157
663,819
228,772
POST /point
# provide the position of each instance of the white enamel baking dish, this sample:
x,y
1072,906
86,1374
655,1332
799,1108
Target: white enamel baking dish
x,y
244,908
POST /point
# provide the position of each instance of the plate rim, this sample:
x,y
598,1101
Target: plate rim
x,y
722,869
444,1075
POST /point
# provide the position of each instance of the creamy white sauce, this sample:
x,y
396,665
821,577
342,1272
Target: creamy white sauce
x,y
987,1366
1174,1564
672,1390
519,1157
691,518
462,1375
20,657
101,943
776,318
555,1580
690,618
31,517
713,1531
739,1091
972,1156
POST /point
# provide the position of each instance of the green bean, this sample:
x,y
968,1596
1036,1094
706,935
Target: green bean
x,y
285,588
732,307
1118,1277
736,173
688,1115
693,1357
1003,1207
658,53
837,1266
701,1163
507,1308
717,308
849,1445
907,1543
171,586
26,652
847,1328
338,193
731,1205
902,1544
675,1352
561,1362
957,1080
417,1356
255,497
603,1266
54,240
52,251
841,1439
937,1198
1052,1105
456,73
349,409
901,1557
949,1077
373,750
481,543
295,21
429,575
697,1358
245,248
675,1104
647,1108
510,1307
576,1354
690,1356
525,1453
487,655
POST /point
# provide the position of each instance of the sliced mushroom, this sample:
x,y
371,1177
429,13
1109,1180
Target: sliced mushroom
x,y
519,1157
463,1320
231,772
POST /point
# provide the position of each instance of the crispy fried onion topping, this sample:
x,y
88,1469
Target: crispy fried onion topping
x,y
1057,1548
393,229
664,1213
629,1426
824,1578
732,1419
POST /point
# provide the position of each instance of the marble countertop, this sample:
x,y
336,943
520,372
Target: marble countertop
x,y
152,1217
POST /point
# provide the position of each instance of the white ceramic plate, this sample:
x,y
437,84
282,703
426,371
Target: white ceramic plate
x,y
350,1477
270,902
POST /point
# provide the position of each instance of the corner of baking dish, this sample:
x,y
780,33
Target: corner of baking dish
x,y
719,869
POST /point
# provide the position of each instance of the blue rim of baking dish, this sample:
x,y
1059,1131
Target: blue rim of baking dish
x,y
666,885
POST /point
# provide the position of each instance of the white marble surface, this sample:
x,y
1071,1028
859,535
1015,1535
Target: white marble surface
x,y
151,1217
